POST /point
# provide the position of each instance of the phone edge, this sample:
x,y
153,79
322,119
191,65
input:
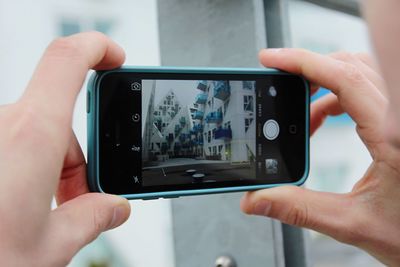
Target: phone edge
x,y
92,131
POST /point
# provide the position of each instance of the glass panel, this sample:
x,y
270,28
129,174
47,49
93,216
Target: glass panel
x,y
326,31
69,27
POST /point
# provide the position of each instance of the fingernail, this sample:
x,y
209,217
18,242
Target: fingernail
x,y
262,207
274,50
119,216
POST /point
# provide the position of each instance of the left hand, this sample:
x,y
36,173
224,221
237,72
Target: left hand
x,y
40,157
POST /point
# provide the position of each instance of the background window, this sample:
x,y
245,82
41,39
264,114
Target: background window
x,y
69,27
247,123
248,103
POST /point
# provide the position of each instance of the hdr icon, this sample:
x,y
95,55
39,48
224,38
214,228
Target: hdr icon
x,y
271,166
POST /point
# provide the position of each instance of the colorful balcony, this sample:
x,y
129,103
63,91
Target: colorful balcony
x,y
223,133
202,85
184,137
198,128
201,98
198,141
222,90
214,117
177,129
198,115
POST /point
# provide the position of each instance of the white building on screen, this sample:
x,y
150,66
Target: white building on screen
x,y
218,124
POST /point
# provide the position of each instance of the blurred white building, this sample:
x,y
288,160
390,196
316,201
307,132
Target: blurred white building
x,y
218,124
227,119
26,28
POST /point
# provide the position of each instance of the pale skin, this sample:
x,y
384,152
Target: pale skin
x,y
369,216
41,158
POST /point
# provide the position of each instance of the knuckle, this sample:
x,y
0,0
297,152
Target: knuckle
x,y
64,47
27,122
344,56
29,129
352,74
363,56
301,52
297,215
99,222
295,212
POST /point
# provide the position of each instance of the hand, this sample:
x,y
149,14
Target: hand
x,y
40,156
369,215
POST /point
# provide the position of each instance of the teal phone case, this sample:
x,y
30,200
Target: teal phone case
x,y
92,129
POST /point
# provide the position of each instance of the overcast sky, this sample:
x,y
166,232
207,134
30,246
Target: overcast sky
x,y
184,90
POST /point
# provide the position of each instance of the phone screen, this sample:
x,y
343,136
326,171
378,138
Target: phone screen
x,y
169,132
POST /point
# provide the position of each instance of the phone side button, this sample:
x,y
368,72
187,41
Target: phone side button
x,y
170,197
150,198
88,102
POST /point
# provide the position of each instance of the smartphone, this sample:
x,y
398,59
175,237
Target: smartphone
x,y
170,132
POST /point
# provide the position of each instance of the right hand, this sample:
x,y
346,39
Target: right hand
x,y
368,216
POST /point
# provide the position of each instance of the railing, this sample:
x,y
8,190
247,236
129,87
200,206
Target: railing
x,y
201,98
223,133
198,128
199,141
183,137
248,85
198,115
214,117
202,85
222,90
196,142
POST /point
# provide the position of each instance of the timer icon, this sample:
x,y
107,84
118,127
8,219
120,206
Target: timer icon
x,y
136,117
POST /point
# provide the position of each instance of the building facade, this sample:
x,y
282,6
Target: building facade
x,y
168,129
228,122
218,124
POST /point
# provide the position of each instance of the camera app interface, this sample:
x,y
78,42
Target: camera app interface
x,y
198,131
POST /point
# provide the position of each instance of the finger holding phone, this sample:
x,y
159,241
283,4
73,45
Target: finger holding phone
x,y
369,215
40,157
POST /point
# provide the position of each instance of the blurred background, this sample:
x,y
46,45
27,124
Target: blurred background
x,y
338,158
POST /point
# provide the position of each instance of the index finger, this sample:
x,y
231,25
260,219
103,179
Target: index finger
x,y
357,95
62,70
46,108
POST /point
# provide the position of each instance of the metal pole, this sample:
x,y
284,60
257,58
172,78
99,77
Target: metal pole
x,y
226,33
350,7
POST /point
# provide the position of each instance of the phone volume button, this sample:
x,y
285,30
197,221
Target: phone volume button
x,y
88,102
150,198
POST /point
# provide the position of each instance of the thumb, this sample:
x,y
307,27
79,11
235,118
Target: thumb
x,y
79,221
327,213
